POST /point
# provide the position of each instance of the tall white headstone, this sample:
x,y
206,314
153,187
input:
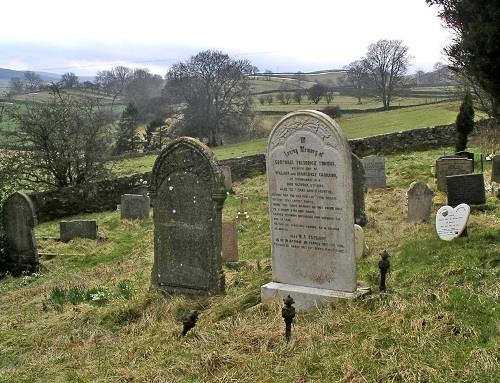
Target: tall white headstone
x,y
310,207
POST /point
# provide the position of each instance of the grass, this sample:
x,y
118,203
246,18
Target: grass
x,y
354,125
438,321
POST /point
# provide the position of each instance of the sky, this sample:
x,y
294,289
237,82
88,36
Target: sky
x,y
282,36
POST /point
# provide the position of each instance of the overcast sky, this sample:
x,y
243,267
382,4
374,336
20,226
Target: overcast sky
x,y
86,36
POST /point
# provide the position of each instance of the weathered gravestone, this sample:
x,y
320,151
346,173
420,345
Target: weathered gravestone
x,y
358,191
419,202
187,191
359,240
309,174
69,230
374,171
229,241
495,169
228,180
451,222
134,206
19,220
467,188
450,166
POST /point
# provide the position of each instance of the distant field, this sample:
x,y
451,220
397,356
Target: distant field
x,y
45,95
354,125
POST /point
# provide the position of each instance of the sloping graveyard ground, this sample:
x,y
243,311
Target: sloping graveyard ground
x,y
89,316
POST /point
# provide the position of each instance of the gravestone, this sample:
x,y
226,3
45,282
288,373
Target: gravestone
x,y
228,180
495,169
229,241
359,240
358,191
69,230
450,166
374,166
451,222
419,202
19,220
187,191
309,174
466,154
467,188
134,206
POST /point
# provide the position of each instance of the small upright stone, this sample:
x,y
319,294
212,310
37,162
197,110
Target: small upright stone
x,y
229,241
228,180
374,171
358,191
19,220
495,169
134,206
69,230
419,202
450,166
359,239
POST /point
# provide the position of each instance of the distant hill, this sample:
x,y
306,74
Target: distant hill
x,y
7,74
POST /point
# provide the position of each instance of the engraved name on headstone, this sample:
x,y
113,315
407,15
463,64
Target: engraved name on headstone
x,y
187,190
419,197
467,188
309,174
19,220
374,171
450,166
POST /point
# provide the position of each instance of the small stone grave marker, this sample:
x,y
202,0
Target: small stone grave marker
x,y
134,206
19,220
375,176
451,222
229,241
311,206
228,180
495,169
450,166
187,190
467,188
358,191
419,202
359,239
69,230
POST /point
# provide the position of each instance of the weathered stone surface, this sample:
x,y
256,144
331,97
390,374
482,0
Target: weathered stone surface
x,y
229,241
419,202
358,190
69,230
187,190
134,206
228,180
19,220
451,222
467,188
450,166
495,169
375,177
309,173
359,239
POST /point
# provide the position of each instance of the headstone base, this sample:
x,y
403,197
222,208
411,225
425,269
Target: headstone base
x,y
17,269
306,298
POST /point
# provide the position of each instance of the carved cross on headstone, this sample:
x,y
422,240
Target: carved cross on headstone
x,y
242,213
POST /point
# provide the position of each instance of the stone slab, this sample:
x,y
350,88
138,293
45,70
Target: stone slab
x,y
375,176
359,237
495,169
358,191
69,230
306,298
450,166
419,197
228,180
134,206
467,188
229,241
451,222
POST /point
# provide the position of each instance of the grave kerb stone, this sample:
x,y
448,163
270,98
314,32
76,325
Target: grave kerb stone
x,y
69,230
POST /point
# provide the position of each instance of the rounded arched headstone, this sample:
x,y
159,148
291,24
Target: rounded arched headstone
x,y
419,197
309,174
19,220
187,192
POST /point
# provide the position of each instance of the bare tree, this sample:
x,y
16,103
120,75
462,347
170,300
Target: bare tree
x,y
33,80
69,80
16,86
386,62
357,77
298,95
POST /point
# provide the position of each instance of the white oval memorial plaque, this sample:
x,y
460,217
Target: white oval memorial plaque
x,y
451,222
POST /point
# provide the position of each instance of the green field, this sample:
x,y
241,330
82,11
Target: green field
x,y
437,322
354,125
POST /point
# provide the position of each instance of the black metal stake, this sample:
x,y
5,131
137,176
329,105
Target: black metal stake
x,y
384,265
288,313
